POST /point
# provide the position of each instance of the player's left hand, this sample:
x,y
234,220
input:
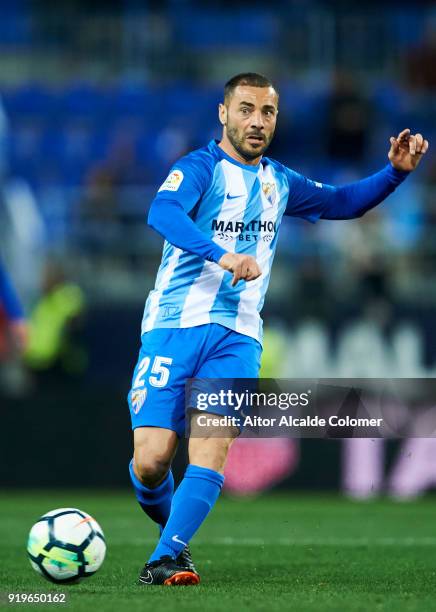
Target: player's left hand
x,y
407,150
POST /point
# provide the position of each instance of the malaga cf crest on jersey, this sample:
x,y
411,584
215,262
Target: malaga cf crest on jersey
x,y
138,399
269,190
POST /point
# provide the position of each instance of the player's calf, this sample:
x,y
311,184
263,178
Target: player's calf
x,y
210,451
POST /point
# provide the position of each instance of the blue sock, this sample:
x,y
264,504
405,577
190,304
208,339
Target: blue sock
x,y
192,502
155,502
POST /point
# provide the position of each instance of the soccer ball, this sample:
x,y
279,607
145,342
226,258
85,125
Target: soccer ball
x,y
66,545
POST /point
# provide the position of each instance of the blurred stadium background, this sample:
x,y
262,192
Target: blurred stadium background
x,y
96,102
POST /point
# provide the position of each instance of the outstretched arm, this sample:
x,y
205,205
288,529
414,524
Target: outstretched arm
x,y
313,200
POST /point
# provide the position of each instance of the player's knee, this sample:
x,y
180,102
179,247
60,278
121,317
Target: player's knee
x,y
154,451
150,469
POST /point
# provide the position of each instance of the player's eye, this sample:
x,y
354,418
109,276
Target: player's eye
x,y
245,111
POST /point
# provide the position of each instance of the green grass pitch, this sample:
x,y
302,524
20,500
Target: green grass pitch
x,y
277,552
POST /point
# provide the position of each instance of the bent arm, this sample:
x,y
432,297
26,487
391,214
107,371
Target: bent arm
x,y
169,218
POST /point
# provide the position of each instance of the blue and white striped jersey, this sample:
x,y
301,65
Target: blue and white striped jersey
x,y
239,209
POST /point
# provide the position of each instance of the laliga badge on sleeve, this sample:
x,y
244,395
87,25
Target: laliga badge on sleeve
x,y
172,182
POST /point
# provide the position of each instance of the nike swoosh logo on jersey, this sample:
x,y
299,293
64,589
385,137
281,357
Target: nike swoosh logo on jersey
x,y
176,539
232,197
148,579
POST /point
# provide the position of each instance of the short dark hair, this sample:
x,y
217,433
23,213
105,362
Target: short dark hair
x,y
252,79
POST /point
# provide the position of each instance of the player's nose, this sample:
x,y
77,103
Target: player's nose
x,y
257,120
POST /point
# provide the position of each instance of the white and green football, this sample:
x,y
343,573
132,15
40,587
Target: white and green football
x,y
66,545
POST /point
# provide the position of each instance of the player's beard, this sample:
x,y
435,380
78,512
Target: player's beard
x,y
238,141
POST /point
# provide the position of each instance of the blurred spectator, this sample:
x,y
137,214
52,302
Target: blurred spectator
x,y
122,162
348,120
365,249
421,61
97,210
55,351
100,203
274,346
312,300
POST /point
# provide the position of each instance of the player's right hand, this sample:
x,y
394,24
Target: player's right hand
x,y
243,267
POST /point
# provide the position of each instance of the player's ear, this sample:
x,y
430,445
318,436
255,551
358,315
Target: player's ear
x,y
222,114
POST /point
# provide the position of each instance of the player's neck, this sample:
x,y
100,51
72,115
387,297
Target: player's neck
x,y
229,149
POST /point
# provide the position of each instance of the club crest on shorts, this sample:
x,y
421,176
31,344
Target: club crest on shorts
x,y
269,191
138,398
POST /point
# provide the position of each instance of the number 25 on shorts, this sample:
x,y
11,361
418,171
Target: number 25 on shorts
x,y
159,372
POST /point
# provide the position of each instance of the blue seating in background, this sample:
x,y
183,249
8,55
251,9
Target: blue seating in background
x,y
231,29
58,134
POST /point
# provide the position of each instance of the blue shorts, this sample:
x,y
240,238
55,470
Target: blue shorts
x,y
168,356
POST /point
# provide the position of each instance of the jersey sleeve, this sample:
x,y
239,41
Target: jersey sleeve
x,y
312,200
187,181
171,210
9,298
